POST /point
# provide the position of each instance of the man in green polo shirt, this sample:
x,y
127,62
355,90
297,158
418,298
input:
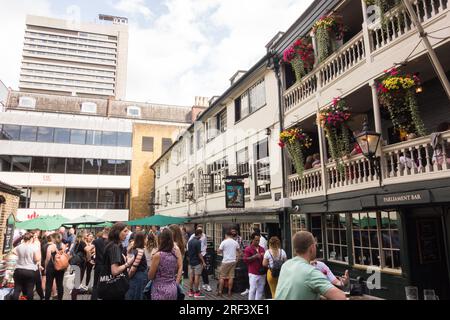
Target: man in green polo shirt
x,y
299,280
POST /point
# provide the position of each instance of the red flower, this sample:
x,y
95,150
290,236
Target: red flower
x,y
281,144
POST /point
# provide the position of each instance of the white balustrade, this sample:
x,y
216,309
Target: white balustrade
x,y
310,183
300,91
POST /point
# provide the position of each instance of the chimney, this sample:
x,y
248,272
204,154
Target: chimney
x,y
237,75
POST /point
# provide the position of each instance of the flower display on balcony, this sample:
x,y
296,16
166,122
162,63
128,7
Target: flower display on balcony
x,y
301,56
329,32
296,141
334,119
396,92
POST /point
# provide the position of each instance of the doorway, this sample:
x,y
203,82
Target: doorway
x,y
428,254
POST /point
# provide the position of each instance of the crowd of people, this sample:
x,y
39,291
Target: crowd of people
x,y
152,265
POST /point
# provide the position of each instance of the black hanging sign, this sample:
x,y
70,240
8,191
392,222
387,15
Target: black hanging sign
x,y
234,195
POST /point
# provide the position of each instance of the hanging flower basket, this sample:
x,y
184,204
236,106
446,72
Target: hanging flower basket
x,y
301,57
329,32
334,119
397,93
296,141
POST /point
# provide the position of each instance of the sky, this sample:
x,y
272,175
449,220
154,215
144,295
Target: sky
x,y
177,49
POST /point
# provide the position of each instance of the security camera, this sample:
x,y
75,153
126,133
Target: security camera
x,y
297,208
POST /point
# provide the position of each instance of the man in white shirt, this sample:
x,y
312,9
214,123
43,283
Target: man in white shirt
x,y
204,242
262,239
230,250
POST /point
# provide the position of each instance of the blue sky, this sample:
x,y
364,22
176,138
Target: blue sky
x,y
178,49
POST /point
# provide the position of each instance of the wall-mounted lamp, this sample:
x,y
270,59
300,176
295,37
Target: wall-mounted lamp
x,y
168,198
268,132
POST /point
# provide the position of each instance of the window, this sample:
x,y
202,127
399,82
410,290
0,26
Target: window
x,y
211,128
11,132
167,165
74,166
182,152
89,107
222,121
336,231
218,235
124,139
316,230
112,199
62,135
217,171
39,164
27,102
243,167
158,198
147,144
200,138
250,101
5,163
298,223
77,136
57,165
134,111
45,134
28,133
122,167
177,192
93,138
158,172
376,240
191,145
257,95
81,199
109,138
262,167
21,164
91,166
183,189
166,143
107,167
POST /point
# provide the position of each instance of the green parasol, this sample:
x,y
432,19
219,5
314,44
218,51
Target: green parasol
x,y
85,220
157,220
45,223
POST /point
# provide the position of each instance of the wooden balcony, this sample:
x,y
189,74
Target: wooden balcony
x,y
405,162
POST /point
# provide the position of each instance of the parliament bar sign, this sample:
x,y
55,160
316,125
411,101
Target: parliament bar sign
x,y
404,198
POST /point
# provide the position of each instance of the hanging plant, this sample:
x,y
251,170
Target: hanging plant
x,y
296,141
328,30
301,57
334,120
396,92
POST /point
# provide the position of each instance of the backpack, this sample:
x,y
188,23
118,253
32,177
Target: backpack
x,y
61,260
277,264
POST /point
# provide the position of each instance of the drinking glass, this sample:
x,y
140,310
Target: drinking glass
x,y
412,293
429,295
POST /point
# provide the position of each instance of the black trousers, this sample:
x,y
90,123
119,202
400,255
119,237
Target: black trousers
x,y
39,289
54,275
89,267
185,267
97,271
24,281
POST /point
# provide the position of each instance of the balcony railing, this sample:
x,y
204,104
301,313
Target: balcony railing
x,y
343,60
403,162
396,24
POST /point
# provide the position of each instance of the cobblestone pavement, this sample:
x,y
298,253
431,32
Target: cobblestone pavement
x,y
208,295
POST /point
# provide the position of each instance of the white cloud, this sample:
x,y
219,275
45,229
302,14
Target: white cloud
x,y
134,7
12,31
180,55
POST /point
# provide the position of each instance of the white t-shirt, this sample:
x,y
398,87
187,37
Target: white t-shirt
x,y
263,242
229,248
269,256
204,242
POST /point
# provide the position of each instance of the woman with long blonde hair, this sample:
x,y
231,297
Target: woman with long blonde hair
x,y
273,259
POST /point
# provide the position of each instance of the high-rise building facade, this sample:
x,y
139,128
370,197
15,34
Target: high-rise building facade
x,y
73,58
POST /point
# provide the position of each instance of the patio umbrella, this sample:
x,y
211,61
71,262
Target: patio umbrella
x,y
45,223
157,220
85,219
100,225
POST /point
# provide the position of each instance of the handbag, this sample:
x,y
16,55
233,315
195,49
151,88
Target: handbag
x,y
113,287
147,292
77,259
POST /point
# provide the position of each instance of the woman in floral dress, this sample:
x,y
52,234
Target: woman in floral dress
x,y
166,269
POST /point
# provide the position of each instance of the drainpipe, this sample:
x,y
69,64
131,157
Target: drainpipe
x,y
275,66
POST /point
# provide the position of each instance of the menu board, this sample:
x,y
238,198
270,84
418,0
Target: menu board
x,y
9,234
428,237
